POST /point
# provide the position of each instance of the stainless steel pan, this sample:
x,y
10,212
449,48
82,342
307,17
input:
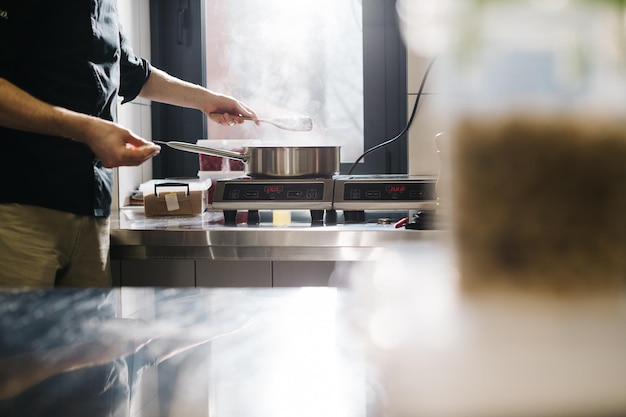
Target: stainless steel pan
x,y
276,161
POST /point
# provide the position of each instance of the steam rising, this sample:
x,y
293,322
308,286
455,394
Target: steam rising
x,y
288,59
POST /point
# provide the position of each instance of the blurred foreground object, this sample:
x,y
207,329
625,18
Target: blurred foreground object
x,y
440,351
536,94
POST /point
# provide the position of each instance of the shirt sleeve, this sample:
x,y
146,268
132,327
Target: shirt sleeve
x,y
134,71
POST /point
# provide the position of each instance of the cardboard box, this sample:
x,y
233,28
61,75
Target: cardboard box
x,y
176,197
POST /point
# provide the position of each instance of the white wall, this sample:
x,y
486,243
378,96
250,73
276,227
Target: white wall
x,y
423,159
135,19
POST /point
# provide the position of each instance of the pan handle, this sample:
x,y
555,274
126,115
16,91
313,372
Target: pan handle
x,y
206,150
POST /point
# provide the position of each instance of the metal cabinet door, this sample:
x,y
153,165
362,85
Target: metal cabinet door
x,y
233,273
157,273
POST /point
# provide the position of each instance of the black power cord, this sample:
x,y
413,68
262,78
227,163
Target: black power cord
x,y
406,128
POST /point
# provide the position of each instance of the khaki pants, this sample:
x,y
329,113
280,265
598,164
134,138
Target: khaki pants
x,y
44,248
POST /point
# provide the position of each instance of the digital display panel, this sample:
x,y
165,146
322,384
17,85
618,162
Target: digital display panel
x,y
273,189
396,188
237,191
397,191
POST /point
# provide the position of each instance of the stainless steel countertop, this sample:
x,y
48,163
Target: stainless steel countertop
x,y
135,236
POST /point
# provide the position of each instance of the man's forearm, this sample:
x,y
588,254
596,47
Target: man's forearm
x,y
19,110
164,88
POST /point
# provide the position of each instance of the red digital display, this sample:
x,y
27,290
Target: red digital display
x,y
273,189
396,188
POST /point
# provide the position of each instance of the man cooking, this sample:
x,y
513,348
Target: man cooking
x,y
62,66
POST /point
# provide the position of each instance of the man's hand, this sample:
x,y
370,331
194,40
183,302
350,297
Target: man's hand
x,y
117,146
226,110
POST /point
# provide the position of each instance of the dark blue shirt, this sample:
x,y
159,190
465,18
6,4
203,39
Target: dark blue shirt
x,y
68,53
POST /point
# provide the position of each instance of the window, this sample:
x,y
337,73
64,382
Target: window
x,y
341,62
285,58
